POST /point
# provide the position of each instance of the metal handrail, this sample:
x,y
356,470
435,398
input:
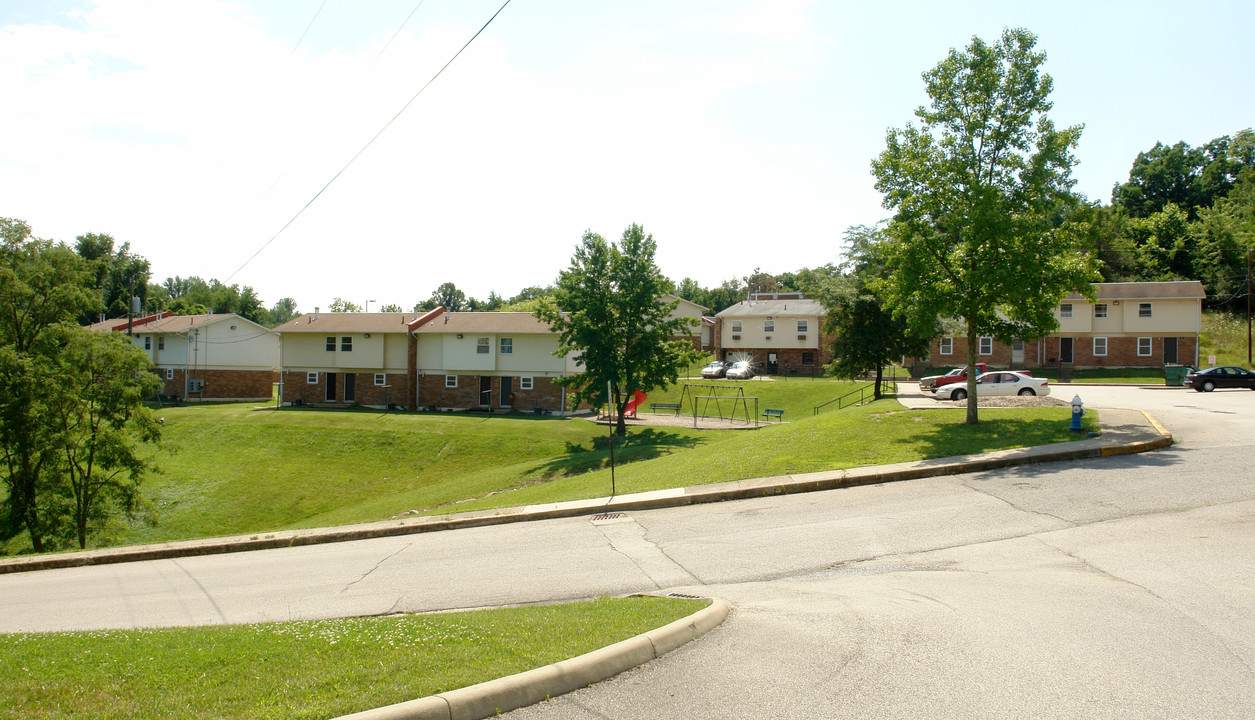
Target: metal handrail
x,y
861,392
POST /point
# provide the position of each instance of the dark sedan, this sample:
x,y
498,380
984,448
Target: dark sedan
x,y
1225,376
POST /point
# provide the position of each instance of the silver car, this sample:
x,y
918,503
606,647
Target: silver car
x,y
742,370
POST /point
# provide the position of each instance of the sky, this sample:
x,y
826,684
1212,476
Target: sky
x,y
297,147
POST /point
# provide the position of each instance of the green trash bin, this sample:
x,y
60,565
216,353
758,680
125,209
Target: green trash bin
x,y
1174,375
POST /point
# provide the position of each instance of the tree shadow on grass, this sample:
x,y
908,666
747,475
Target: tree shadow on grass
x,y
990,434
645,444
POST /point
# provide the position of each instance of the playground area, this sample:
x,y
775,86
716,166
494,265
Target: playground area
x,y
701,406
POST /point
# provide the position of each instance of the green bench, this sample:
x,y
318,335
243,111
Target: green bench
x,y
673,407
770,413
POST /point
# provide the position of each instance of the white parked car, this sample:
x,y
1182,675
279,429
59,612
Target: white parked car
x,y
993,384
742,370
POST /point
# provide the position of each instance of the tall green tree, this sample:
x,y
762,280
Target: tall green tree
x,y
44,288
866,335
340,305
975,189
448,296
104,433
607,313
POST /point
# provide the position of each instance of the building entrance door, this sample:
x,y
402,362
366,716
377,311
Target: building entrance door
x,y
507,389
1170,350
329,392
485,391
350,387
1065,351
772,365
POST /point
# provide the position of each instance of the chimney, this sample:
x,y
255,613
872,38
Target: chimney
x,y
315,313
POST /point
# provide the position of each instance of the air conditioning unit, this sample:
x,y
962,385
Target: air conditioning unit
x,y
801,337
736,337
768,337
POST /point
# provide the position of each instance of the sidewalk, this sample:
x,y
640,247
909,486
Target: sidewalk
x,y
1123,432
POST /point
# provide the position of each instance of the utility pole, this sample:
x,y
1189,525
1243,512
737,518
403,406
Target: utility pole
x,y
1248,308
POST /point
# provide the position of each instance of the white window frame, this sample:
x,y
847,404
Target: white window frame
x,y
148,342
161,342
1100,347
1150,347
346,343
483,346
169,373
1145,310
507,346
946,347
802,326
311,378
450,381
331,343
985,346
1065,310
736,326
381,379
526,383
1100,310
769,325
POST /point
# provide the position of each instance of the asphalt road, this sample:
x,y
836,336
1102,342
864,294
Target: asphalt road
x,y
1115,587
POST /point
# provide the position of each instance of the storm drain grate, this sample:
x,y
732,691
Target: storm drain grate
x,y
607,516
684,596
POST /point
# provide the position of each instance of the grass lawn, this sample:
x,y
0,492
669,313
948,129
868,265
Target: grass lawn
x,y
244,468
314,669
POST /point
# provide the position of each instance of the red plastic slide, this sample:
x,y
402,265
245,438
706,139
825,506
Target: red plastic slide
x,y
638,397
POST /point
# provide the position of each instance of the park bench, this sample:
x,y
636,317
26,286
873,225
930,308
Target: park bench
x,y
770,413
673,407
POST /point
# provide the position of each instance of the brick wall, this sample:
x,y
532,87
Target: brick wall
x,y
365,391
545,394
1121,352
220,384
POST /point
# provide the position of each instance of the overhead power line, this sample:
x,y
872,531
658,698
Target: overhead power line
x,y
310,25
402,25
369,142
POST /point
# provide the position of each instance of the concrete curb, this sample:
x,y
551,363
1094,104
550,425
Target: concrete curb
x,y
528,688
1124,443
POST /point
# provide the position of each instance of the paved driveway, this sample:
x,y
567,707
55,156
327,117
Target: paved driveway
x,y
1115,587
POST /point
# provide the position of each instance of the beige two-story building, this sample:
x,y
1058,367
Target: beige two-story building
x,y
489,361
779,332
343,359
1135,324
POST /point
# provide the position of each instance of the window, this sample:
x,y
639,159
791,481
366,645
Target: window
x,y
525,383
736,326
947,346
482,346
346,344
1100,310
148,342
1065,310
331,344
311,378
450,381
1143,347
507,346
808,359
169,373
769,325
381,379
161,342
801,326
1100,346
986,346
1143,311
